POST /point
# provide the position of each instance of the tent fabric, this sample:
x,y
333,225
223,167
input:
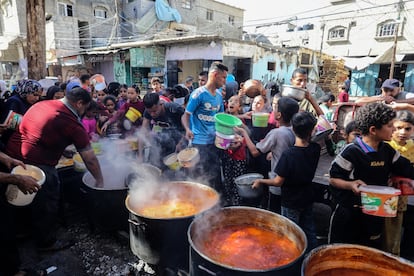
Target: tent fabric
x,y
165,12
363,62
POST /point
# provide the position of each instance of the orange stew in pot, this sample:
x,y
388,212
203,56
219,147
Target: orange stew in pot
x,y
249,247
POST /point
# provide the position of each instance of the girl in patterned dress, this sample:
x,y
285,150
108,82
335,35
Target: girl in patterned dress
x,y
233,160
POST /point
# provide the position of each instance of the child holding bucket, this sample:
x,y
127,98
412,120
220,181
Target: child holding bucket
x,y
130,112
402,142
366,161
275,142
233,159
294,173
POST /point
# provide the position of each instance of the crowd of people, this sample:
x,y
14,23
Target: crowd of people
x,y
80,112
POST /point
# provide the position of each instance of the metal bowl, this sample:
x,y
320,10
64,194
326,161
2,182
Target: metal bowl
x,y
296,93
244,185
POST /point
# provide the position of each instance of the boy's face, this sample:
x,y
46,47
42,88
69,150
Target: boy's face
x,y
156,86
402,132
351,136
385,132
276,113
132,94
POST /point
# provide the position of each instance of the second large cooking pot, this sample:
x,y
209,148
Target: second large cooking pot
x,y
159,220
237,241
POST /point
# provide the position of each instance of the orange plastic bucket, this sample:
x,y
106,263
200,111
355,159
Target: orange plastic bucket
x,y
381,201
133,114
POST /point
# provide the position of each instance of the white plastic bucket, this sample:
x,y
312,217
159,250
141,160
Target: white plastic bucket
x,y
223,141
381,201
14,195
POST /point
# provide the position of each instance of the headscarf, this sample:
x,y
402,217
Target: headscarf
x,y
26,87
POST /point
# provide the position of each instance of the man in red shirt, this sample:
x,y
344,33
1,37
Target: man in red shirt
x,y
47,128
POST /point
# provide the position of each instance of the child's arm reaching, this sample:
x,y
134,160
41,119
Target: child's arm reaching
x,y
250,145
347,185
277,181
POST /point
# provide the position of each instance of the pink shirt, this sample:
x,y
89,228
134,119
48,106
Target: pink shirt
x,y
90,125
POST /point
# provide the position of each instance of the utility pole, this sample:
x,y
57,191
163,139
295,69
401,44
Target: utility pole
x,y
394,46
36,39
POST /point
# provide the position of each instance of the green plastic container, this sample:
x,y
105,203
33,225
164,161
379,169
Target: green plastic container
x,y
260,119
225,123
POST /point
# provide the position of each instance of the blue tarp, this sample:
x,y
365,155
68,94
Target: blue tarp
x,y
165,12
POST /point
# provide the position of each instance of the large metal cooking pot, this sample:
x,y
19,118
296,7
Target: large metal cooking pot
x,y
162,240
294,92
105,206
203,264
352,259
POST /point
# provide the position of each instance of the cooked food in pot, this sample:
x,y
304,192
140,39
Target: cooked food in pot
x,y
169,209
174,200
249,247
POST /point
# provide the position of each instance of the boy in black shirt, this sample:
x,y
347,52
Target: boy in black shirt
x,y
295,171
366,161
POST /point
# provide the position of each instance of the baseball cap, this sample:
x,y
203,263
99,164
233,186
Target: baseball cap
x,y
72,84
390,83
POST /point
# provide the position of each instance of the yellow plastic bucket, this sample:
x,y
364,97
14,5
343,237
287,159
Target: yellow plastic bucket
x,y
133,114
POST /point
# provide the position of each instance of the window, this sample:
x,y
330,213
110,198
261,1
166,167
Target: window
x,y
209,15
387,28
271,66
231,20
186,4
65,9
99,13
337,33
305,59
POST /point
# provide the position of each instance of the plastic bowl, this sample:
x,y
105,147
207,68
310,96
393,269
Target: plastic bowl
x,y
381,201
188,157
171,161
14,195
225,123
244,185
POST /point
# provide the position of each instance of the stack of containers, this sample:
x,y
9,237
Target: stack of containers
x,y
224,124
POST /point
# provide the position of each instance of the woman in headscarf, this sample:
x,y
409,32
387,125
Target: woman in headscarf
x,y
26,93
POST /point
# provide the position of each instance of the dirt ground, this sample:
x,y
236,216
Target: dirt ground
x,y
94,253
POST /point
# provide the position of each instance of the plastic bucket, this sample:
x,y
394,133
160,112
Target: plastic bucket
x,y
97,147
225,123
14,195
171,161
406,185
78,163
260,119
133,114
381,201
223,141
322,124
